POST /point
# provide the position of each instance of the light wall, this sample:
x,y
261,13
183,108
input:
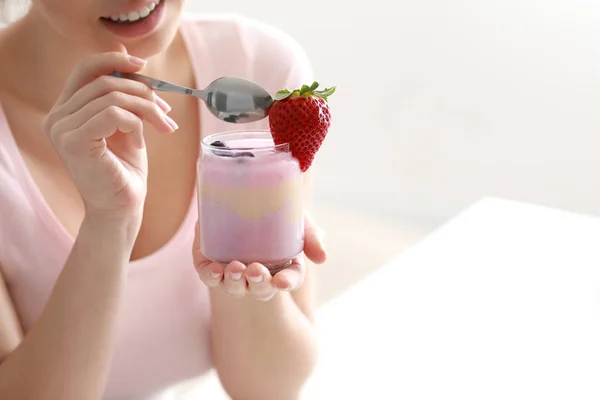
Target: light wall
x,y
441,102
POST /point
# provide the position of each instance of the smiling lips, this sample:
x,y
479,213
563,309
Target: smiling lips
x,y
137,23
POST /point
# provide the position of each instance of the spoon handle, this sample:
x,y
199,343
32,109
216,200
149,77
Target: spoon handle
x,y
159,85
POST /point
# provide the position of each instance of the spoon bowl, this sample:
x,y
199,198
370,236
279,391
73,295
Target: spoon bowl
x,y
231,99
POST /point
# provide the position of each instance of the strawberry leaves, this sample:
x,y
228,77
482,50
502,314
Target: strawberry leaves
x,y
324,94
282,95
305,91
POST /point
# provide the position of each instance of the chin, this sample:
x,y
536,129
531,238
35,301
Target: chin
x,y
146,47
151,46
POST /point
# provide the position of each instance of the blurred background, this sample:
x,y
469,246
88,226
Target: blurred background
x,y
438,104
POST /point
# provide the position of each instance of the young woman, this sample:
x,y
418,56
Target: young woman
x,y
104,292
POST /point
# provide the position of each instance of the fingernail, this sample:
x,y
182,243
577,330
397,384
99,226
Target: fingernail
x,y
137,61
235,276
162,103
215,274
255,279
171,123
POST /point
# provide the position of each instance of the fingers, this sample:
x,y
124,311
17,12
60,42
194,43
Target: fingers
x,y
142,108
211,274
259,282
290,278
314,246
234,281
98,65
238,280
255,280
100,126
91,95
106,84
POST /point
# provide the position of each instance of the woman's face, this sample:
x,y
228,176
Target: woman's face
x,y
143,27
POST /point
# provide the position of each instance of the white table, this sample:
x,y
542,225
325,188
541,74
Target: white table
x,y
502,302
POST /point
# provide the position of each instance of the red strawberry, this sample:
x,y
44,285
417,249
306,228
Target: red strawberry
x,y
302,119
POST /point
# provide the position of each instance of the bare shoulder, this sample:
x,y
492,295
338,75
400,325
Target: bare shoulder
x,y
10,327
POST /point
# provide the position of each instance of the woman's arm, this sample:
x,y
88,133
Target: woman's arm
x,y
66,354
263,350
266,349
96,127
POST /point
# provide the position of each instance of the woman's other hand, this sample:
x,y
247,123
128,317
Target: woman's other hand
x,y
255,279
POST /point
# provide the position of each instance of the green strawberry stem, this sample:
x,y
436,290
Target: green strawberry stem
x,y
306,91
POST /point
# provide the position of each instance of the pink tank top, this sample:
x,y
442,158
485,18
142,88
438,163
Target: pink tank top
x,y
163,333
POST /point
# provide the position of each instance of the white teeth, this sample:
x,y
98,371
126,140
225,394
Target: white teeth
x,y
135,15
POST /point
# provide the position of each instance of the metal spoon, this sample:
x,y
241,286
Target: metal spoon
x,y
230,99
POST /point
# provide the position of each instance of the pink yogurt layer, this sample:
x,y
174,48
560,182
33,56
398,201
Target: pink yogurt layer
x,y
271,240
250,207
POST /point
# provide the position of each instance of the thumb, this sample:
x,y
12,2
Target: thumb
x,y
314,246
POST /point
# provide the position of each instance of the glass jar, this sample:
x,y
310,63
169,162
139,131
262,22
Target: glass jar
x,y
250,200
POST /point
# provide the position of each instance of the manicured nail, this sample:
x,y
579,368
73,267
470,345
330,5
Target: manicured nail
x,y
162,103
215,275
285,286
255,279
235,276
137,61
171,123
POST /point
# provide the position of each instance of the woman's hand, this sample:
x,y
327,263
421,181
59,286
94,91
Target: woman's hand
x,y
96,128
255,279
